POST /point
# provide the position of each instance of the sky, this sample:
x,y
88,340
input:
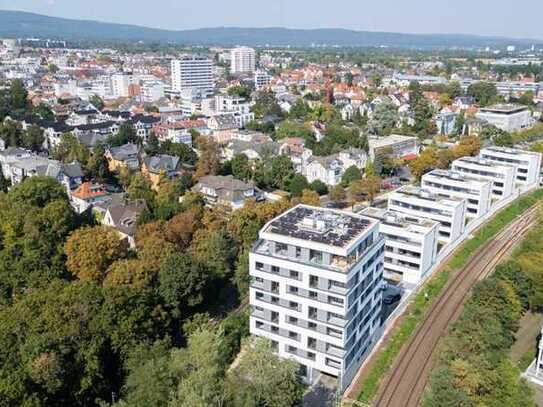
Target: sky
x,y
516,19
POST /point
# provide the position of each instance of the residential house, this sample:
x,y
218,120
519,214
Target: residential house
x,y
226,191
156,166
224,126
125,156
124,218
87,195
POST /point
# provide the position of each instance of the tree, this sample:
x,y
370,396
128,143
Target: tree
x,y
281,171
298,183
527,98
310,197
4,182
126,134
181,150
385,118
266,104
467,146
18,99
209,161
485,93
241,168
425,162
44,112
98,166
152,147
70,149
140,188
300,110
33,138
319,187
200,368
37,191
415,94
351,174
97,102
11,133
182,282
265,379
241,91
368,186
90,252
337,193
293,129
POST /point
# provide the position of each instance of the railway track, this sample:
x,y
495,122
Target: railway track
x,y
404,386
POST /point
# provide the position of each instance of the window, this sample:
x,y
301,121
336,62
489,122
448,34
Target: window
x,y
298,252
293,320
334,332
312,325
311,355
293,335
294,274
275,269
313,295
274,329
291,349
313,281
312,311
315,256
275,287
259,280
292,290
259,324
275,300
293,305
311,343
259,266
259,295
275,317
281,248
335,301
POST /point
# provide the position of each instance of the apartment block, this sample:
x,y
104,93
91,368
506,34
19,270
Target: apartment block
x,y
419,202
411,244
242,60
476,191
193,72
316,288
528,163
502,176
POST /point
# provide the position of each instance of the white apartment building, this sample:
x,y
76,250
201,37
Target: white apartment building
x,y
316,288
151,91
262,79
507,117
418,202
476,191
528,163
193,72
242,60
411,244
239,107
502,176
120,83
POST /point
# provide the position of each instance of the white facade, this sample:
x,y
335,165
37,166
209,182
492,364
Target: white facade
x,y
507,117
528,163
316,288
151,91
242,60
120,83
418,202
262,79
477,192
502,176
239,107
193,73
410,244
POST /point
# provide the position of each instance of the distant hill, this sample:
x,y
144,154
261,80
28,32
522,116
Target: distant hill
x,y
17,24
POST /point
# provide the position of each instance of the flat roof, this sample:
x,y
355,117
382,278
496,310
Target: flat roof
x,y
320,225
483,162
510,151
393,218
455,176
503,108
388,140
426,195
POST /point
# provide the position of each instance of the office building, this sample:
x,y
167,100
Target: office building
x,y
242,60
316,288
507,117
418,202
193,72
528,163
476,191
411,244
502,176
406,147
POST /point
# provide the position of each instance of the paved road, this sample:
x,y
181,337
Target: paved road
x,y
405,384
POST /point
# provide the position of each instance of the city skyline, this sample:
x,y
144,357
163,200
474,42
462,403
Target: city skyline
x,y
387,16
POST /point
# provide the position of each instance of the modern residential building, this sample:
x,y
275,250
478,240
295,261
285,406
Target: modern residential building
x,y
242,60
406,147
262,79
120,82
419,202
151,91
316,288
507,117
476,191
528,163
502,176
411,244
193,72
239,107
